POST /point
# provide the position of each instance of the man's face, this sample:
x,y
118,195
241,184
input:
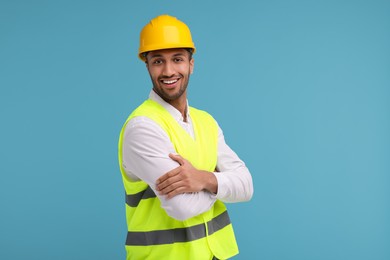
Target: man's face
x,y
170,72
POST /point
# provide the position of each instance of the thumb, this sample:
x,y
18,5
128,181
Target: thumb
x,y
177,158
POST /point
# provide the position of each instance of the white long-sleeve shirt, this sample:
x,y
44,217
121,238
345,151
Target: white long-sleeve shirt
x,y
146,149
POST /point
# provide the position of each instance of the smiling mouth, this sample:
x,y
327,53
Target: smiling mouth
x,y
169,82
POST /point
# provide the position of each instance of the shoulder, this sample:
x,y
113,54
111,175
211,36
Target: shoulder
x,y
143,122
145,116
147,108
141,126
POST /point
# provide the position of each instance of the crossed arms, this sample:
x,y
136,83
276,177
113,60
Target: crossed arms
x,y
183,190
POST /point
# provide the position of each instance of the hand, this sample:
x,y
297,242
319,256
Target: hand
x,y
185,178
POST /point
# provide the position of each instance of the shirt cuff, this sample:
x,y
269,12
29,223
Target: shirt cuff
x,y
222,190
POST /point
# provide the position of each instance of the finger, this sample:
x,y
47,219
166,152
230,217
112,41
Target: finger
x,y
169,186
168,175
177,158
168,182
175,192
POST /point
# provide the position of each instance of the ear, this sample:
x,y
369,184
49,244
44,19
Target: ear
x,y
147,65
192,65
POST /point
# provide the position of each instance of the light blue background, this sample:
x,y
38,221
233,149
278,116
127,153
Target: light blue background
x,y
300,88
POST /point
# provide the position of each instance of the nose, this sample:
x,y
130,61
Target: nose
x,y
169,69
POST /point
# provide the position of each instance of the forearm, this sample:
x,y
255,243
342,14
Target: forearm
x,y
181,206
234,185
145,156
210,182
188,205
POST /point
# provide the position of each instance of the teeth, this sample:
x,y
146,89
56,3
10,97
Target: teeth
x,y
170,81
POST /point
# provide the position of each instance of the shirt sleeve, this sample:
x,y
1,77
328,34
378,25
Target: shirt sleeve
x,y
146,149
234,179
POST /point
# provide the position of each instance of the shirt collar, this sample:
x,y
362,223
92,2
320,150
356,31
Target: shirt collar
x,y
171,109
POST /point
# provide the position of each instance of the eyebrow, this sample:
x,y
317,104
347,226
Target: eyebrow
x,y
157,55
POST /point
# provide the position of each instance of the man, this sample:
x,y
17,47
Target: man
x,y
176,167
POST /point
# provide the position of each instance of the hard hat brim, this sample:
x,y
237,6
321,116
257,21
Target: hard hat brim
x,y
142,52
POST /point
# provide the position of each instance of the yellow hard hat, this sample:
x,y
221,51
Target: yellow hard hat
x,y
164,32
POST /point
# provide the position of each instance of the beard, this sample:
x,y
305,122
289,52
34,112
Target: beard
x,y
167,96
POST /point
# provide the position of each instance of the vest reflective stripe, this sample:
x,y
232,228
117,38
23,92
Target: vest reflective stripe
x,y
176,235
218,223
134,199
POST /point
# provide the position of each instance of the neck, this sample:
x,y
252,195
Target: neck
x,y
181,105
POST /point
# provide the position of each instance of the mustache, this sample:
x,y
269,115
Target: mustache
x,y
171,76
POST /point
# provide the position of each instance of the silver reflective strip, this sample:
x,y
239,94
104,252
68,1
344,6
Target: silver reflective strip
x,y
176,235
134,199
219,222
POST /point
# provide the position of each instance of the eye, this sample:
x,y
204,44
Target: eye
x,y
157,61
178,59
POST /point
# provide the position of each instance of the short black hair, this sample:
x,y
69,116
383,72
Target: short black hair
x,y
190,51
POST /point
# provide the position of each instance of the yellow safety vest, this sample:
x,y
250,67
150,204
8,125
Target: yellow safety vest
x,y
152,234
